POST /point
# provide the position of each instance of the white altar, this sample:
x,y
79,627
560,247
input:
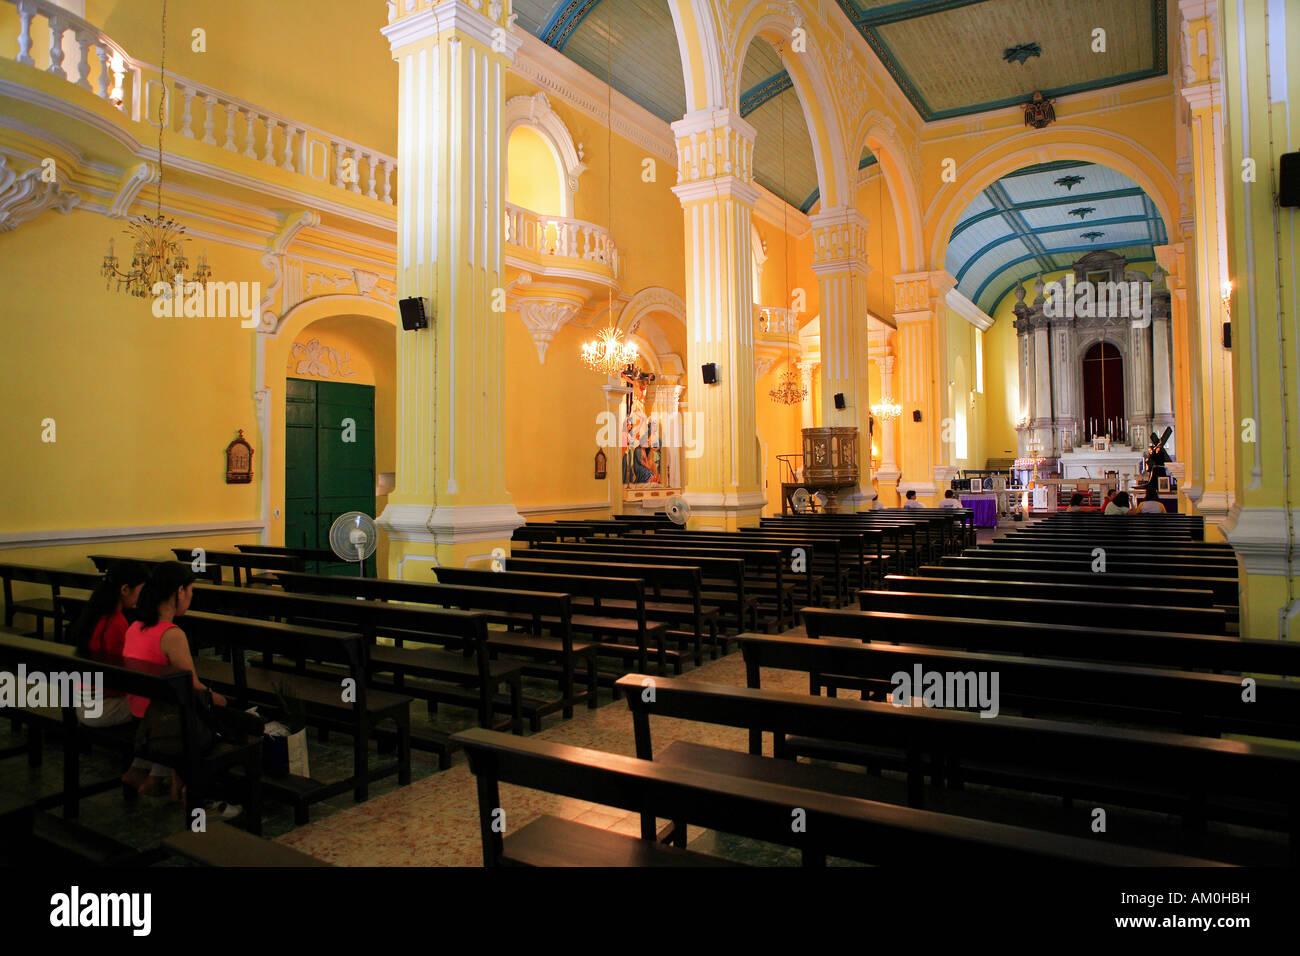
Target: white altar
x,y
1084,462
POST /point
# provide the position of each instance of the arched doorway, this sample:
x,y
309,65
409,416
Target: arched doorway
x,y
1103,392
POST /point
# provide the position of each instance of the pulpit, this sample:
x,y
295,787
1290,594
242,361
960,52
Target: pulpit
x,y
830,463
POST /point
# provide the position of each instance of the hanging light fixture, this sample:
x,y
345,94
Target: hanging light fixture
x,y
157,241
609,353
789,388
886,409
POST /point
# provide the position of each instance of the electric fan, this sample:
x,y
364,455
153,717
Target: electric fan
x,y
678,510
799,500
354,537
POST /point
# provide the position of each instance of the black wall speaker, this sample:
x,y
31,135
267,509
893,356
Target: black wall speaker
x,y
710,372
916,415
413,316
839,399
1227,335
1288,179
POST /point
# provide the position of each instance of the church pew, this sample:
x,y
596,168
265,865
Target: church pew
x,y
676,589
823,567
836,825
1160,560
557,656
1173,597
722,579
1143,550
1082,759
102,562
1075,572
220,844
870,541
200,769
55,579
243,565
609,624
1138,617
766,579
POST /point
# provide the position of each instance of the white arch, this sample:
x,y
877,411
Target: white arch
x,y
535,112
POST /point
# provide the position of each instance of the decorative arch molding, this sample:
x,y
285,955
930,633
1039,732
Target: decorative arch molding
x,y
879,133
810,76
758,255
704,45
652,299
1092,145
535,112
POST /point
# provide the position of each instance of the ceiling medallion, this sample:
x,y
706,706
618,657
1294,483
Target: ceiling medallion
x,y
1092,236
788,389
1069,182
1039,112
1021,52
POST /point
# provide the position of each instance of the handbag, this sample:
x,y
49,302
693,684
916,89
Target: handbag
x,y
159,736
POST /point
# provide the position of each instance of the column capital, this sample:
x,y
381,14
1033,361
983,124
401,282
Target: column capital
x,y
718,187
714,144
414,21
919,292
839,241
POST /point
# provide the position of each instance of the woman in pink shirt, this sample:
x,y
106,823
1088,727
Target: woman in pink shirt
x,y
155,637
101,629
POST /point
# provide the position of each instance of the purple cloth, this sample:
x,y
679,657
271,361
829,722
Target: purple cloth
x,y
986,511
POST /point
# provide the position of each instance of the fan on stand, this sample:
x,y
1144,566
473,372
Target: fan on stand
x,y
677,510
354,537
801,501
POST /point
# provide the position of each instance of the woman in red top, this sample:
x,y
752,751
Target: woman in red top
x,y
155,637
101,629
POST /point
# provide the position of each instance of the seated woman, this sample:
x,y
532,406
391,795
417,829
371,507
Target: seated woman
x,y
1105,502
1151,503
1076,502
156,638
1119,505
101,629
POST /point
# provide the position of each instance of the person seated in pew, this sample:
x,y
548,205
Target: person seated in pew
x,y
1151,503
1076,502
155,637
101,629
949,500
911,501
1119,505
1110,496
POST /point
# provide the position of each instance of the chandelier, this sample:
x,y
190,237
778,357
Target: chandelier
x,y
157,241
608,353
886,410
789,389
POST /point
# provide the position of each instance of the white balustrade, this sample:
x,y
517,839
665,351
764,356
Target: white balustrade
x,y
562,237
103,68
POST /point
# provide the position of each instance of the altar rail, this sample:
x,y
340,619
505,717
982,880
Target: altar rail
x,y
88,58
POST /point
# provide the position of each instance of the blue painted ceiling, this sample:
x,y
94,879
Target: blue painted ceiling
x,y
1041,219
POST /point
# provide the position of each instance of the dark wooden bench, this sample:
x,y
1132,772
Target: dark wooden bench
x,y
157,682
1069,572
533,611
675,592
1137,617
623,620
821,566
1082,558
1196,778
222,845
1117,593
102,562
722,580
55,580
243,565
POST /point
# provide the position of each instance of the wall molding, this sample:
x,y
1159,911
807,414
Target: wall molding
x,y
55,539
528,510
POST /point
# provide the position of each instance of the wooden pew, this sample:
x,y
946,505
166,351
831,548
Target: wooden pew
x,y
102,562
836,825
532,610
243,565
722,579
608,623
1138,617
1123,560
677,591
1117,593
222,845
55,580
157,682
1196,778
808,583
1224,588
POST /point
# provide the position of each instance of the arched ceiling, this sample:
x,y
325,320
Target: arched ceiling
x,y
1041,219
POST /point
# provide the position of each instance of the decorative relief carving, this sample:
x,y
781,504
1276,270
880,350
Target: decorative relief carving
x,y
545,317
23,197
315,358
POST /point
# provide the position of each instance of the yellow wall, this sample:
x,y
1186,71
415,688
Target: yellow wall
x,y
533,173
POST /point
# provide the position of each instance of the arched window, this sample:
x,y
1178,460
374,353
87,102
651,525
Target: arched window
x,y
533,173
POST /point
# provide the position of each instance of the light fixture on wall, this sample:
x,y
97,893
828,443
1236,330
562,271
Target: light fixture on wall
x,y
886,409
1225,293
789,388
157,241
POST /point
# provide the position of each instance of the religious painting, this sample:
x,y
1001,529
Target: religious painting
x,y
641,442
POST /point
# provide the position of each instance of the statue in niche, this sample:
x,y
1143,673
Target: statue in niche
x,y
641,444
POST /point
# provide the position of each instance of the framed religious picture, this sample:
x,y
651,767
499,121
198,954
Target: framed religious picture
x,y
976,485
1162,485
239,461
600,463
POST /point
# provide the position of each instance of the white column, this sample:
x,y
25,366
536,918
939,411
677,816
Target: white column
x,y
806,370
888,465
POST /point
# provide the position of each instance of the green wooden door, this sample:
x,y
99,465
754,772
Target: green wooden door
x,y
329,461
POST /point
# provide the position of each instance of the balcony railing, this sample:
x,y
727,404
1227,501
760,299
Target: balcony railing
x,y
559,237
774,320
87,57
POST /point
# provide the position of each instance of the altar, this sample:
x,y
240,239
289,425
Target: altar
x,y
1085,462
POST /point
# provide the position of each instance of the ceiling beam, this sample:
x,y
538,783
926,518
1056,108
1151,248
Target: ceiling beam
x,y
1045,203
764,90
